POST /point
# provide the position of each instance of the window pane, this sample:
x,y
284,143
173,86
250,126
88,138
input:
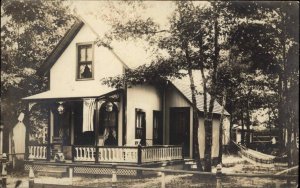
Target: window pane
x,y
89,53
140,120
85,71
82,54
137,121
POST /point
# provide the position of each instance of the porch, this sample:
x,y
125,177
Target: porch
x,y
94,130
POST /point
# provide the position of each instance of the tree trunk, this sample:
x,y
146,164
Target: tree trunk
x,y
281,137
208,143
196,154
205,111
248,126
288,146
221,126
208,120
207,125
243,129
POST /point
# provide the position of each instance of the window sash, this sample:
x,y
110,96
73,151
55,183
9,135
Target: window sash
x,y
85,57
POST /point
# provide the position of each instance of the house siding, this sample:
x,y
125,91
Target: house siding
x,y
147,98
63,73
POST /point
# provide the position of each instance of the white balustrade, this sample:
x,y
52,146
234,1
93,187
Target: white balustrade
x,y
84,153
161,153
128,154
118,154
38,152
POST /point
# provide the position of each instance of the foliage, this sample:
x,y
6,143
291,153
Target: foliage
x,y
29,32
154,73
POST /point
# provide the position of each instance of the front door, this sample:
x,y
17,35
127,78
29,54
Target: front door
x,y
140,126
179,128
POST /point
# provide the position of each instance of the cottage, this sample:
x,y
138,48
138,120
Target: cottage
x,y
93,123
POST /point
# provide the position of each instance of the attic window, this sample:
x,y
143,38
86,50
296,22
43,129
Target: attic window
x,y
85,69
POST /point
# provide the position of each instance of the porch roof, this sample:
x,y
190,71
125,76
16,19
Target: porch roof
x,y
48,95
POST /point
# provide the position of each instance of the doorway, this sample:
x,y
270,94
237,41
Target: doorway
x,y
180,128
108,124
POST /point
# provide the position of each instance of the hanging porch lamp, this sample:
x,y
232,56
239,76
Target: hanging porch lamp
x,y
109,107
61,108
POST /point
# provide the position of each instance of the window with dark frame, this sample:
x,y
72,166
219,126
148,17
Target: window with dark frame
x,y
85,61
140,125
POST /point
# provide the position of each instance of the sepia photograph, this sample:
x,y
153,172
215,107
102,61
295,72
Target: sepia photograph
x,y
149,94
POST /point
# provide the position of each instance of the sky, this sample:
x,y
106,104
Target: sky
x,y
135,52
157,10
99,14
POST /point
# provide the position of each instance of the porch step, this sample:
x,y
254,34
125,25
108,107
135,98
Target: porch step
x,y
52,174
190,164
189,161
56,171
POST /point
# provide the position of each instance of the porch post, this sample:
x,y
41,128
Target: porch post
x,y
49,134
97,131
1,138
72,131
124,115
26,121
219,176
139,173
139,154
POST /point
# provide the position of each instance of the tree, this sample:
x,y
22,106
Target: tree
x,y
29,31
273,36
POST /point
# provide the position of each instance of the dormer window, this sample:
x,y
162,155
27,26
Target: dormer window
x,y
85,68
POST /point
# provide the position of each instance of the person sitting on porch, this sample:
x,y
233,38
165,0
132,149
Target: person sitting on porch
x,y
110,136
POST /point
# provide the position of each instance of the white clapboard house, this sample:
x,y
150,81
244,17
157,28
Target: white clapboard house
x,y
91,123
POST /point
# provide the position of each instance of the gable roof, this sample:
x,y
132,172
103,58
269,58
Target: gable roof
x,y
184,88
60,47
64,43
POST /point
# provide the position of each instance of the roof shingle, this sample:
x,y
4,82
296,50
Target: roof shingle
x,y
183,86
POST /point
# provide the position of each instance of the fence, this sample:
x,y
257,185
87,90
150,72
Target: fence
x,y
218,175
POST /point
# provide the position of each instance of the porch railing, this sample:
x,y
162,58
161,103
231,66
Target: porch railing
x,y
84,153
119,154
161,153
128,154
38,152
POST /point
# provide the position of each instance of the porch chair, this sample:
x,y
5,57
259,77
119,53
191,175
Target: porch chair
x,y
101,141
134,142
